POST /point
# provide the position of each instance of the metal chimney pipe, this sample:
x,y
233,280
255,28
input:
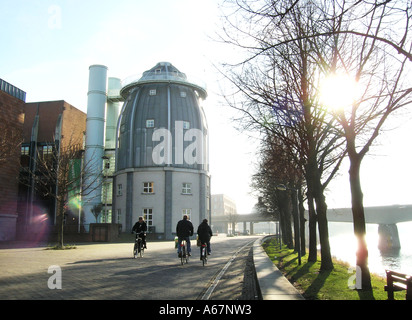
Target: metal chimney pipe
x,y
95,135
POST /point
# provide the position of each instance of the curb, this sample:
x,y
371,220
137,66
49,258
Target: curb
x,y
273,285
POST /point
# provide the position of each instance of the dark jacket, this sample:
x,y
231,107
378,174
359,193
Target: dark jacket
x,y
184,228
204,232
139,227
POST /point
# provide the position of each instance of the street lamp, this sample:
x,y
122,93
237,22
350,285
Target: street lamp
x,y
282,187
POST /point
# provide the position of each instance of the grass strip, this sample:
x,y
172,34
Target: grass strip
x,y
313,284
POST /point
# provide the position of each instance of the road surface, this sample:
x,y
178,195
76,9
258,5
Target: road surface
x,y
108,271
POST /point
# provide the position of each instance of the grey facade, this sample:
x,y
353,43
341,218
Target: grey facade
x,y
162,152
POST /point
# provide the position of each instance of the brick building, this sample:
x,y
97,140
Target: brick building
x,y
49,126
12,102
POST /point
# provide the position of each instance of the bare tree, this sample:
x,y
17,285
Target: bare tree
x,y
10,142
96,210
54,177
276,169
382,77
275,90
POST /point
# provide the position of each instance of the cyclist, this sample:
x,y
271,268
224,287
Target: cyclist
x,y
205,233
140,227
184,230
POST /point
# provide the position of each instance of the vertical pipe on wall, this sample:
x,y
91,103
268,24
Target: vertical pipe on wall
x,y
112,113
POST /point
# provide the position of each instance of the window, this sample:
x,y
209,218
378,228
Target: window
x,y
47,150
187,212
119,190
152,92
148,216
183,94
186,188
186,125
25,151
148,187
157,71
150,123
119,215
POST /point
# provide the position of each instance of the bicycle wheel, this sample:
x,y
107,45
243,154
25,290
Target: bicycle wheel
x,y
141,248
204,256
182,254
135,251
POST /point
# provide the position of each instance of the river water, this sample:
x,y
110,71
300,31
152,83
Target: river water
x,y
343,246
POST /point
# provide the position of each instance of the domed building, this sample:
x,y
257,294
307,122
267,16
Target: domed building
x,y
162,169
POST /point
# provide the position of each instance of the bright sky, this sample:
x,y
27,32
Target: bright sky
x,y
47,47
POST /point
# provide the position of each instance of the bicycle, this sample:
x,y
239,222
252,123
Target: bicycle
x,y
184,255
138,248
203,253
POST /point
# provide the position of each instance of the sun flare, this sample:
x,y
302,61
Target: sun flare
x,y
338,91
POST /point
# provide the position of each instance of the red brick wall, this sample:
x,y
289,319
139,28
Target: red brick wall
x,y
11,124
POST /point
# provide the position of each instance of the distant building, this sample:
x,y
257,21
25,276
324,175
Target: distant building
x,y
222,205
12,101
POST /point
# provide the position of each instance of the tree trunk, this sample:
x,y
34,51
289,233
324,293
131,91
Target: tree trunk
x,y
313,251
321,209
285,221
359,220
315,189
295,215
60,224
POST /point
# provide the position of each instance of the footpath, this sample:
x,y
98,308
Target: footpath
x,y
273,285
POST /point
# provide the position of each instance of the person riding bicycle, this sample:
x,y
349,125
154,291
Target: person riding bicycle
x,y
184,230
140,227
205,233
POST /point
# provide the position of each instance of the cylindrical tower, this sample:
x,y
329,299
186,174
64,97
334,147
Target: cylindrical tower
x,y
162,151
95,135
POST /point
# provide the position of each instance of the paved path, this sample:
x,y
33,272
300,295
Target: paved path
x,y
107,271
273,285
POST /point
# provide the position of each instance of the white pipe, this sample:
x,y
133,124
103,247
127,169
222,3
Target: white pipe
x,y
95,131
112,113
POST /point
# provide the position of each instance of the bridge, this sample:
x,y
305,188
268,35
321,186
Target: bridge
x,y
227,222
385,216
376,215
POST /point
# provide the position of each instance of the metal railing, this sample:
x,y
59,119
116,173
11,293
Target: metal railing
x,y
12,90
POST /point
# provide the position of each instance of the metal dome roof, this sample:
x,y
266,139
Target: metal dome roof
x,y
165,99
163,72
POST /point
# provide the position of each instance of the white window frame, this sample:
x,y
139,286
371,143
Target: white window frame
x,y
119,215
152,92
187,212
148,187
186,125
147,214
186,188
